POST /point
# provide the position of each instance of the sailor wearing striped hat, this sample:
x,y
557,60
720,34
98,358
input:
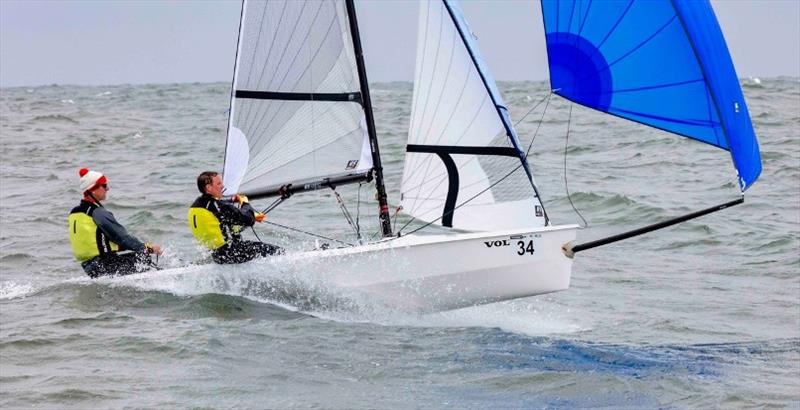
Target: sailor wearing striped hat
x,y
100,243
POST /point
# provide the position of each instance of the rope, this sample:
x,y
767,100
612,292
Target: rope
x,y
256,234
394,221
285,195
151,263
566,184
346,213
541,119
308,233
358,212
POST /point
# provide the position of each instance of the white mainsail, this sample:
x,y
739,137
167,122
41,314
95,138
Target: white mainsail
x,y
461,142
295,108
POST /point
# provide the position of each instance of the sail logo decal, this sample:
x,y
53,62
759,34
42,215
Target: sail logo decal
x,y
352,164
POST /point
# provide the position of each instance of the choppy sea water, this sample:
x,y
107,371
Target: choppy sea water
x,y
705,314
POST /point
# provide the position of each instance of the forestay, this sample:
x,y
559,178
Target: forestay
x,y
461,143
663,63
296,114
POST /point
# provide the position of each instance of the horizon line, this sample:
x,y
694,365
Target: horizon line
x,y
2,87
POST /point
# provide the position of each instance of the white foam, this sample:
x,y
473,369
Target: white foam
x,y
13,290
533,316
296,285
258,280
754,80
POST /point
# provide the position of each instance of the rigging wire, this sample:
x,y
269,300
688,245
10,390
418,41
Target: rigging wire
x,y
358,212
541,119
346,213
566,184
461,204
285,194
308,233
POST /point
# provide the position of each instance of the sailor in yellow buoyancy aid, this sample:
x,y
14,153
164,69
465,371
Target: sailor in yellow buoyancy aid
x,y
97,237
216,223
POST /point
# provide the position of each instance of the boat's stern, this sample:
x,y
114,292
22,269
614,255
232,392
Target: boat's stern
x,y
456,271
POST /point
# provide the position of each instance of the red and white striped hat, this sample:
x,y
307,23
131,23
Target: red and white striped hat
x,y
91,179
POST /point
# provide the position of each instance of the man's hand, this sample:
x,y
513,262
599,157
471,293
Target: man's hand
x,y
152,248
260,217
240,199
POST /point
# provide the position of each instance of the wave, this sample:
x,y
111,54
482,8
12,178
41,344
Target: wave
x,y
291,289
17,258
13,290
53,118
258,281
609,203
707,360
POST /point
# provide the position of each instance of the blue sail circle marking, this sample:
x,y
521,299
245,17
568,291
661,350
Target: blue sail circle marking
x,y
579,71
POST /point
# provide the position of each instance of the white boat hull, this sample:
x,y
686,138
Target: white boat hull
x,y
444,272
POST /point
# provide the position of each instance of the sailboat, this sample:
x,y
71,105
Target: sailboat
x,y
301,120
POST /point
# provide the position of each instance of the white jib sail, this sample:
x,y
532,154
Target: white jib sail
x,y
462,169
295,112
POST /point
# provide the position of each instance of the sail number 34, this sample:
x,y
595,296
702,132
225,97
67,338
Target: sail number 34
x,y
525,247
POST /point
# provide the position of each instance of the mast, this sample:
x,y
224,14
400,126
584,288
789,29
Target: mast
x,y
386,225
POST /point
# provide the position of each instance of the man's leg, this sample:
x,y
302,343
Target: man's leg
x,y
266,249
233,252
117,264
243,251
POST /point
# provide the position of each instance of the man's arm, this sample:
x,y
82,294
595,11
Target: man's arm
x,y
115,232
244,216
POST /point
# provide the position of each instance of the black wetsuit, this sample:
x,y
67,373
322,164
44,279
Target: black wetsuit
x,y
111,262
231,219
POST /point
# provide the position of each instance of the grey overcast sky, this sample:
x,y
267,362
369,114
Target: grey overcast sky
x,y
93,42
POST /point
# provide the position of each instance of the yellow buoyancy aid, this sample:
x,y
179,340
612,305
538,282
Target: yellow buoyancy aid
x,y
87,240
205,227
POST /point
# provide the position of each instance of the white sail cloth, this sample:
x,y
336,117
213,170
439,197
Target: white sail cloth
x,y
461,144
288,121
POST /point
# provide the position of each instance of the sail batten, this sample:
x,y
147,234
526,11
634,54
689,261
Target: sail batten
x,y
662,63
275,95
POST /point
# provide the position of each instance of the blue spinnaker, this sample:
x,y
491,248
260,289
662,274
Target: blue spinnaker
x,y
663,63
